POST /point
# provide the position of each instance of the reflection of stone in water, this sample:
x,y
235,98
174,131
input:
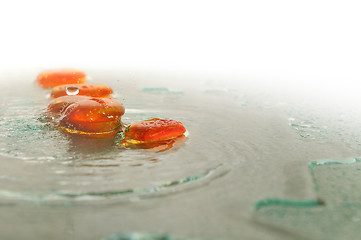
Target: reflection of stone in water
x,y
335,212
160,146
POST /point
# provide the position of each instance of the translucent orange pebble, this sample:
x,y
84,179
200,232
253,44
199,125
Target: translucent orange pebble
x,y
154,130
58,105
91,90
53,78
93,116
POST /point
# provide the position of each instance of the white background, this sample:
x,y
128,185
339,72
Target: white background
x,y
314,41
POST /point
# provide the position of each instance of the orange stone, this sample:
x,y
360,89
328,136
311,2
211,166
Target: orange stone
x,y
58,105
53,78
93,116
153,130
91,90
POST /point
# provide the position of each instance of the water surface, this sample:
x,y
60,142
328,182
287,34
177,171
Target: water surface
x,y
246,142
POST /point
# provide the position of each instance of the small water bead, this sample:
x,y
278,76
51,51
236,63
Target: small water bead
x,y
53,78
72,91
91,90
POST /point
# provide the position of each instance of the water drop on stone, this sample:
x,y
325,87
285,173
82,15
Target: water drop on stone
x,y
72,91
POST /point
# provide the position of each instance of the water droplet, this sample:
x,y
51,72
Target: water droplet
x,y
72,91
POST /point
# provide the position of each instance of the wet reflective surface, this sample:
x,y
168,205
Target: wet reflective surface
x,y
247,146
335,214
62,166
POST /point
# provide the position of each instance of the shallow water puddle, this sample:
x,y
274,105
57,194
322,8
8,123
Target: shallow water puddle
x,y
243,145
40,162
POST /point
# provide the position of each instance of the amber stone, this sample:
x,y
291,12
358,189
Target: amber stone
x,y
154,130
58,105
53,78
91,90
93,116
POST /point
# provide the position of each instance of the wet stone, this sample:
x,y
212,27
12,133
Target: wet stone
x,y
53,78
154,130
91,90
93,116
